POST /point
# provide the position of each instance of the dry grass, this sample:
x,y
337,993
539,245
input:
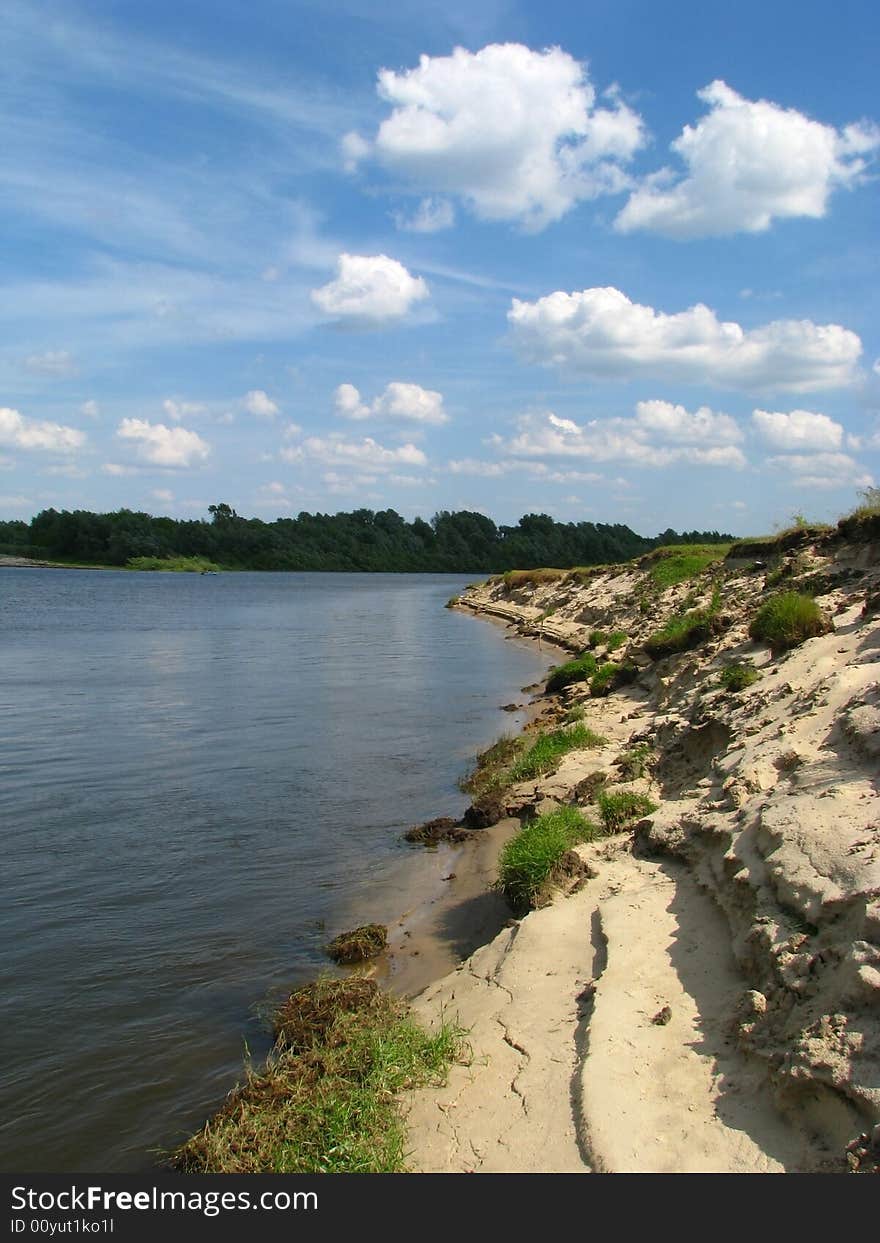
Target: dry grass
x,y
360,944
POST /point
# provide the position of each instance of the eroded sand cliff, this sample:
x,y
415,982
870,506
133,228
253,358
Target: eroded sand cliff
x,y
708,999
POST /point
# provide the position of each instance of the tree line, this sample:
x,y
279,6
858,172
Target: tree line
x,y
462,542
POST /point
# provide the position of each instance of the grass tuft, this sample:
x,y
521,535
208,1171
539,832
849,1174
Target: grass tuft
x,y
618,807
548,749
610,676
578,670
685,631
529,859
737,676
787,620
326,1101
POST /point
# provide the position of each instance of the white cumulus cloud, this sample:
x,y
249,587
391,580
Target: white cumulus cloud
x,y
368,454
260,404
407,402
19,432
749,162
164,446
600,332
797,430
516,134
369,289
824,470
703,439
672,422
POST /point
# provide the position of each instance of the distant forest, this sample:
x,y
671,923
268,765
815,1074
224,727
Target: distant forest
x,y
462,542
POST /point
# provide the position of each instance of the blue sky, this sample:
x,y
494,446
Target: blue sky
x,y
610,261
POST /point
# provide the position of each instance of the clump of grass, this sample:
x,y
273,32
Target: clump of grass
x,y
360,944
531,578
793,536
676,563
602,680
737,676
619,807
598,637
634,763
577,670
574,714
787,620
548,749
616,639
325,1103
179,565
610,676
491,764
685,631
864,520
528,859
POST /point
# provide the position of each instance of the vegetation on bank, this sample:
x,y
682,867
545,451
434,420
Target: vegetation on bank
x,y
547,749
578,670
177,565
529,859
738,675
686,630
610,676
514,759
326,1101
678,564
787,620
618,807
362,540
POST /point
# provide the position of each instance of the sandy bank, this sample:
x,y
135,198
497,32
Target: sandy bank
x,y
709,1000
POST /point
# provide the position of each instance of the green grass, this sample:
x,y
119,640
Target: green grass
x,y
616,639
633,764
574,714
618,807
326,1101
680,634
178,565
528,860
737,676
791,536
598,638
610,676
787,620
864,521
577,670
491,764
676,563
547,750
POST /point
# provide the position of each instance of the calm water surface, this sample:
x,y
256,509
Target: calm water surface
x,y
199,776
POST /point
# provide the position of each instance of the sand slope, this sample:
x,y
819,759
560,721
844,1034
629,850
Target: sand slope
x,y
744,915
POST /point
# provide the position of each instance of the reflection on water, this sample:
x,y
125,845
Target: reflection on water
x,y
198,776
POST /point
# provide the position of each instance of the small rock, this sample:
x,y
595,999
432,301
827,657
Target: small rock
x,y
662,1017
